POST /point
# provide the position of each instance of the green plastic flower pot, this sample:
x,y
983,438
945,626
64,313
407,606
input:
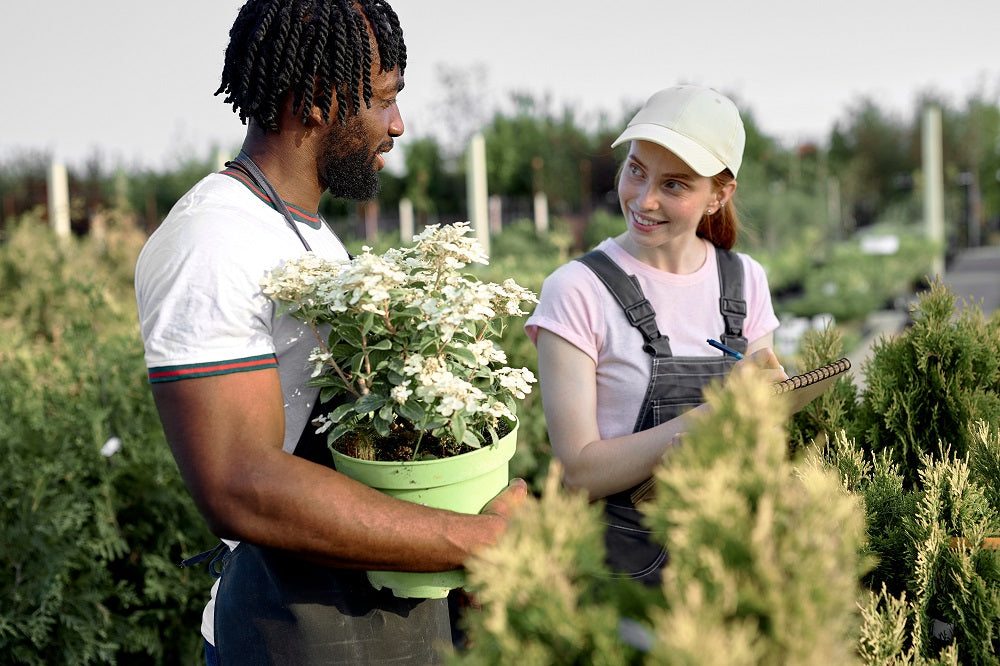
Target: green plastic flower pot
x,y
464,483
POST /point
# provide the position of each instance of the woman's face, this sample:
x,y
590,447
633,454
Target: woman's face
x,y
662,198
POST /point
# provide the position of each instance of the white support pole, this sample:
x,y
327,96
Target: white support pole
x,y
405,220
541,213
933,178
58,185
476,190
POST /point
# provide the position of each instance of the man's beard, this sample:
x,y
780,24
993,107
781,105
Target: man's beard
x,y
352,176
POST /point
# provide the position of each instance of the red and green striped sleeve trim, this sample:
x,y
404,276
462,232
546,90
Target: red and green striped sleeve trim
x,y
171,373
299,215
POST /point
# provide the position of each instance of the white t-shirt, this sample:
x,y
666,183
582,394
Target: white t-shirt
x,y
575,305
201,308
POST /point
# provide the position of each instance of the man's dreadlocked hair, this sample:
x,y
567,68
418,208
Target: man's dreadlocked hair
x,y
308,48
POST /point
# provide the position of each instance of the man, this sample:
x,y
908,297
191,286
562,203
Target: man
x,y
316,82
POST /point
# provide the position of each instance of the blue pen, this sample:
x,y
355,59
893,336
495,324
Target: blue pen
x,y
727,350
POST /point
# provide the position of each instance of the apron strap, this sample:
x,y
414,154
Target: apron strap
x,y
247,166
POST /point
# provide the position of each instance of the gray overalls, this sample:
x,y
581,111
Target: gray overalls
x,y
675,385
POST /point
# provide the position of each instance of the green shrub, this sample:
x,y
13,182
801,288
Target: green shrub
x,y
926,386
818,421
90,542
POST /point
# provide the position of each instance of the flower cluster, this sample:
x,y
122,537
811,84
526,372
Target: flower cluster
x,y
407,339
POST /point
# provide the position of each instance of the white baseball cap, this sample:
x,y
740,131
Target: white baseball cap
x,y
698,125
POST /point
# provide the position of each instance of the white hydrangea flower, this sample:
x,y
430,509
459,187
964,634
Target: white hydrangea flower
x,y
400,393
486,352
394,318
518,382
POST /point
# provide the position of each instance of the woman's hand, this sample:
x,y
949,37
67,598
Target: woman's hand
x,y
765,361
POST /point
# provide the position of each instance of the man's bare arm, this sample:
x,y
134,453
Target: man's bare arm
x,y
226,434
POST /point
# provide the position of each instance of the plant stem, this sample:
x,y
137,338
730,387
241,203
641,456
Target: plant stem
x,y
348,383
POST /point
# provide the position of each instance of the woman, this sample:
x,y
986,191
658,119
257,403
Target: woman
x,y
618,371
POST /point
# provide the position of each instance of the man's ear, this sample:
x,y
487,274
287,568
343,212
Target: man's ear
x,y
315,117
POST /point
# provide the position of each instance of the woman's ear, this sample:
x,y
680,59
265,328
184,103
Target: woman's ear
x,y
726,193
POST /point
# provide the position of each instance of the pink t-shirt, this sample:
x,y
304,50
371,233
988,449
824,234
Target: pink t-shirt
x,y
575,305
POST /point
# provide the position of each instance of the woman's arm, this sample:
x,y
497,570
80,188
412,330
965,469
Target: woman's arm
x,y
601,467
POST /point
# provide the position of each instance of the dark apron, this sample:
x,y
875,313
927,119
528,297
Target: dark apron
x,y
275,608
675,386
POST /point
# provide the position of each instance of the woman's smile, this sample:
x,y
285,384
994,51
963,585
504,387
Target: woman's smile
x,y
646,222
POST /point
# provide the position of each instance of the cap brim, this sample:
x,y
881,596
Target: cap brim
x,y
700,160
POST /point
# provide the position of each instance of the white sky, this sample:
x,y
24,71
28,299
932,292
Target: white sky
x,y
134,80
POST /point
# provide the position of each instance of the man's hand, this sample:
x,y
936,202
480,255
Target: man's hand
x,y
504,504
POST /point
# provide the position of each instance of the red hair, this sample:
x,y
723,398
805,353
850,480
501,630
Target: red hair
x,y
722,226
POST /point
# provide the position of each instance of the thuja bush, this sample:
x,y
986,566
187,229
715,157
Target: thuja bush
x,y
925,459
543,590
826,414
764,550
765,558
927,385
934,596
93,514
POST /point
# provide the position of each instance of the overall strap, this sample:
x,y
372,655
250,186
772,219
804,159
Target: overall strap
x,y
625,288
732,305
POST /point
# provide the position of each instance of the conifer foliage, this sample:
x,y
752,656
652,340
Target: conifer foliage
x,y
929,385
865,533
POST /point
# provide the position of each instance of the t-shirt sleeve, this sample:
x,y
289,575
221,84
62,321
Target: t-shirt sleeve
x,y
201,308
570,307
760,319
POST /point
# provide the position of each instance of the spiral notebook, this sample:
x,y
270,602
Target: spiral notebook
x,y
799,390
804,388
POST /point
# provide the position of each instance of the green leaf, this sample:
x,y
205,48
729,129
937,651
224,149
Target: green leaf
x,y
331,391
352,336
458,427
411,411
463,354
470,440
341,412
367,404
356,362
382,426
384,344
367,321
338,431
